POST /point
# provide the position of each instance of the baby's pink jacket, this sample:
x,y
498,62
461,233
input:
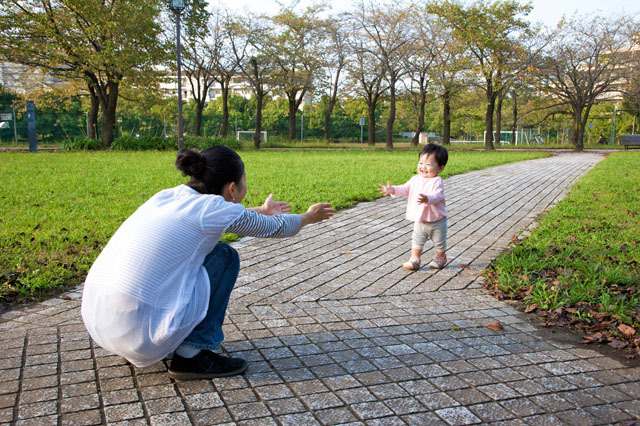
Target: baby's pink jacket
x,y
433,188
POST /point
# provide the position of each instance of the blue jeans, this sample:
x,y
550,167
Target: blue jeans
x,y
222,265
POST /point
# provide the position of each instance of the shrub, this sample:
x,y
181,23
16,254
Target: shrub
x,y
202,142
126,143
148,142
79,143
143,143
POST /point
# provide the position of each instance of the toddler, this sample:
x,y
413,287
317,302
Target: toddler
x,y
425,206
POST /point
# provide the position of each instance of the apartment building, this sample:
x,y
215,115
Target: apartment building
x,y
22,80
238,86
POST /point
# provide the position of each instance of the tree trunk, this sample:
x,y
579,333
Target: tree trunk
x,y
225,110
197,128
499,118
392,114
491,102
332,103
421,105
93,113
292,116
371,126
257,134
578,129
327,119
109,113
446,118
514,127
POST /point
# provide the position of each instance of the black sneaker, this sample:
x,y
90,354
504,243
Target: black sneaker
x,y
205,365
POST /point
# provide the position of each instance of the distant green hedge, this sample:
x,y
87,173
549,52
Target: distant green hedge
x,y
145,143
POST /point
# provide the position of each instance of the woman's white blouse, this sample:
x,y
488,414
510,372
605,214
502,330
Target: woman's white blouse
x,y
147,290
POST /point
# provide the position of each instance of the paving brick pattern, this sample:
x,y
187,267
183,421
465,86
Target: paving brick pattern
x,y
337,333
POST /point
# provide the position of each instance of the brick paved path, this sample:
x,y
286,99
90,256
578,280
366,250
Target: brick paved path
x,y
336,332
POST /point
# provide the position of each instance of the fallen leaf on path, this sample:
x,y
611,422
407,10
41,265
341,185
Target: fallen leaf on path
x,y
348,250
495,326
531,308
463,266
65,297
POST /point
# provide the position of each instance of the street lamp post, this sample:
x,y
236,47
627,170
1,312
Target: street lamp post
x,y
177,6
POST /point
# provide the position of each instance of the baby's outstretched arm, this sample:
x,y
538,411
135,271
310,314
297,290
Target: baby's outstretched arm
x,y
386,190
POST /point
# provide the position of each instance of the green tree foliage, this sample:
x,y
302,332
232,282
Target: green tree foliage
x,y
199,56
293,43
489,30
99,42
585,60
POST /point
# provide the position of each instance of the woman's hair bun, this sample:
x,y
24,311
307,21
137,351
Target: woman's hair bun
x,y
191,163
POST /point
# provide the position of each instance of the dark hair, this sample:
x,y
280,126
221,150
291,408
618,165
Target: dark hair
x,y
441,154
211,169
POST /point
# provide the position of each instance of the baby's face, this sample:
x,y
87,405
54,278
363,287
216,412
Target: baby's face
x,y
428,166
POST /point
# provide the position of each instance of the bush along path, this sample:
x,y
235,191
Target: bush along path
x,y
580,267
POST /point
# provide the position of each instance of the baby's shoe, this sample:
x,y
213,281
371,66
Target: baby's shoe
x,y
412,265
438,262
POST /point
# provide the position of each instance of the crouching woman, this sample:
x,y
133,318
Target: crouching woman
x,y
163,281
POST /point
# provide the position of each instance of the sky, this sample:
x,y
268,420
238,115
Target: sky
x,y
549,12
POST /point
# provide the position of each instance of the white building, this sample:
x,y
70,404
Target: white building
x,y
21,79
238,86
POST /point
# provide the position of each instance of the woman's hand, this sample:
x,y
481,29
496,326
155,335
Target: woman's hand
x,y
386,190
317,213
271,207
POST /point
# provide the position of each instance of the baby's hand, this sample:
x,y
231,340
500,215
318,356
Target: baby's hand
x,y
386,190
423,199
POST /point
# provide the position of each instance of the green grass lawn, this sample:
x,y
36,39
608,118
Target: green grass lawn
x,y
581,265
57,210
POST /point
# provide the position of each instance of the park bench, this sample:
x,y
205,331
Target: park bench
x,y
629,140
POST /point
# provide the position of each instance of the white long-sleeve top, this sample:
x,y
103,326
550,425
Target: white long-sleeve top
x,y
148,288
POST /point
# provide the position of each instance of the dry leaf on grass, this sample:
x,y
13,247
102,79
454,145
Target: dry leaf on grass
x,y
592,338
495,326
618,344
626,330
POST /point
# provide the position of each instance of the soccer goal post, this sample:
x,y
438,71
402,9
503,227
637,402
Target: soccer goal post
x,y
506,137
248,135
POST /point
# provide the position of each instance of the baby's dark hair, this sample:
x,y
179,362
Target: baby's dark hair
x,y
211,169
440,152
